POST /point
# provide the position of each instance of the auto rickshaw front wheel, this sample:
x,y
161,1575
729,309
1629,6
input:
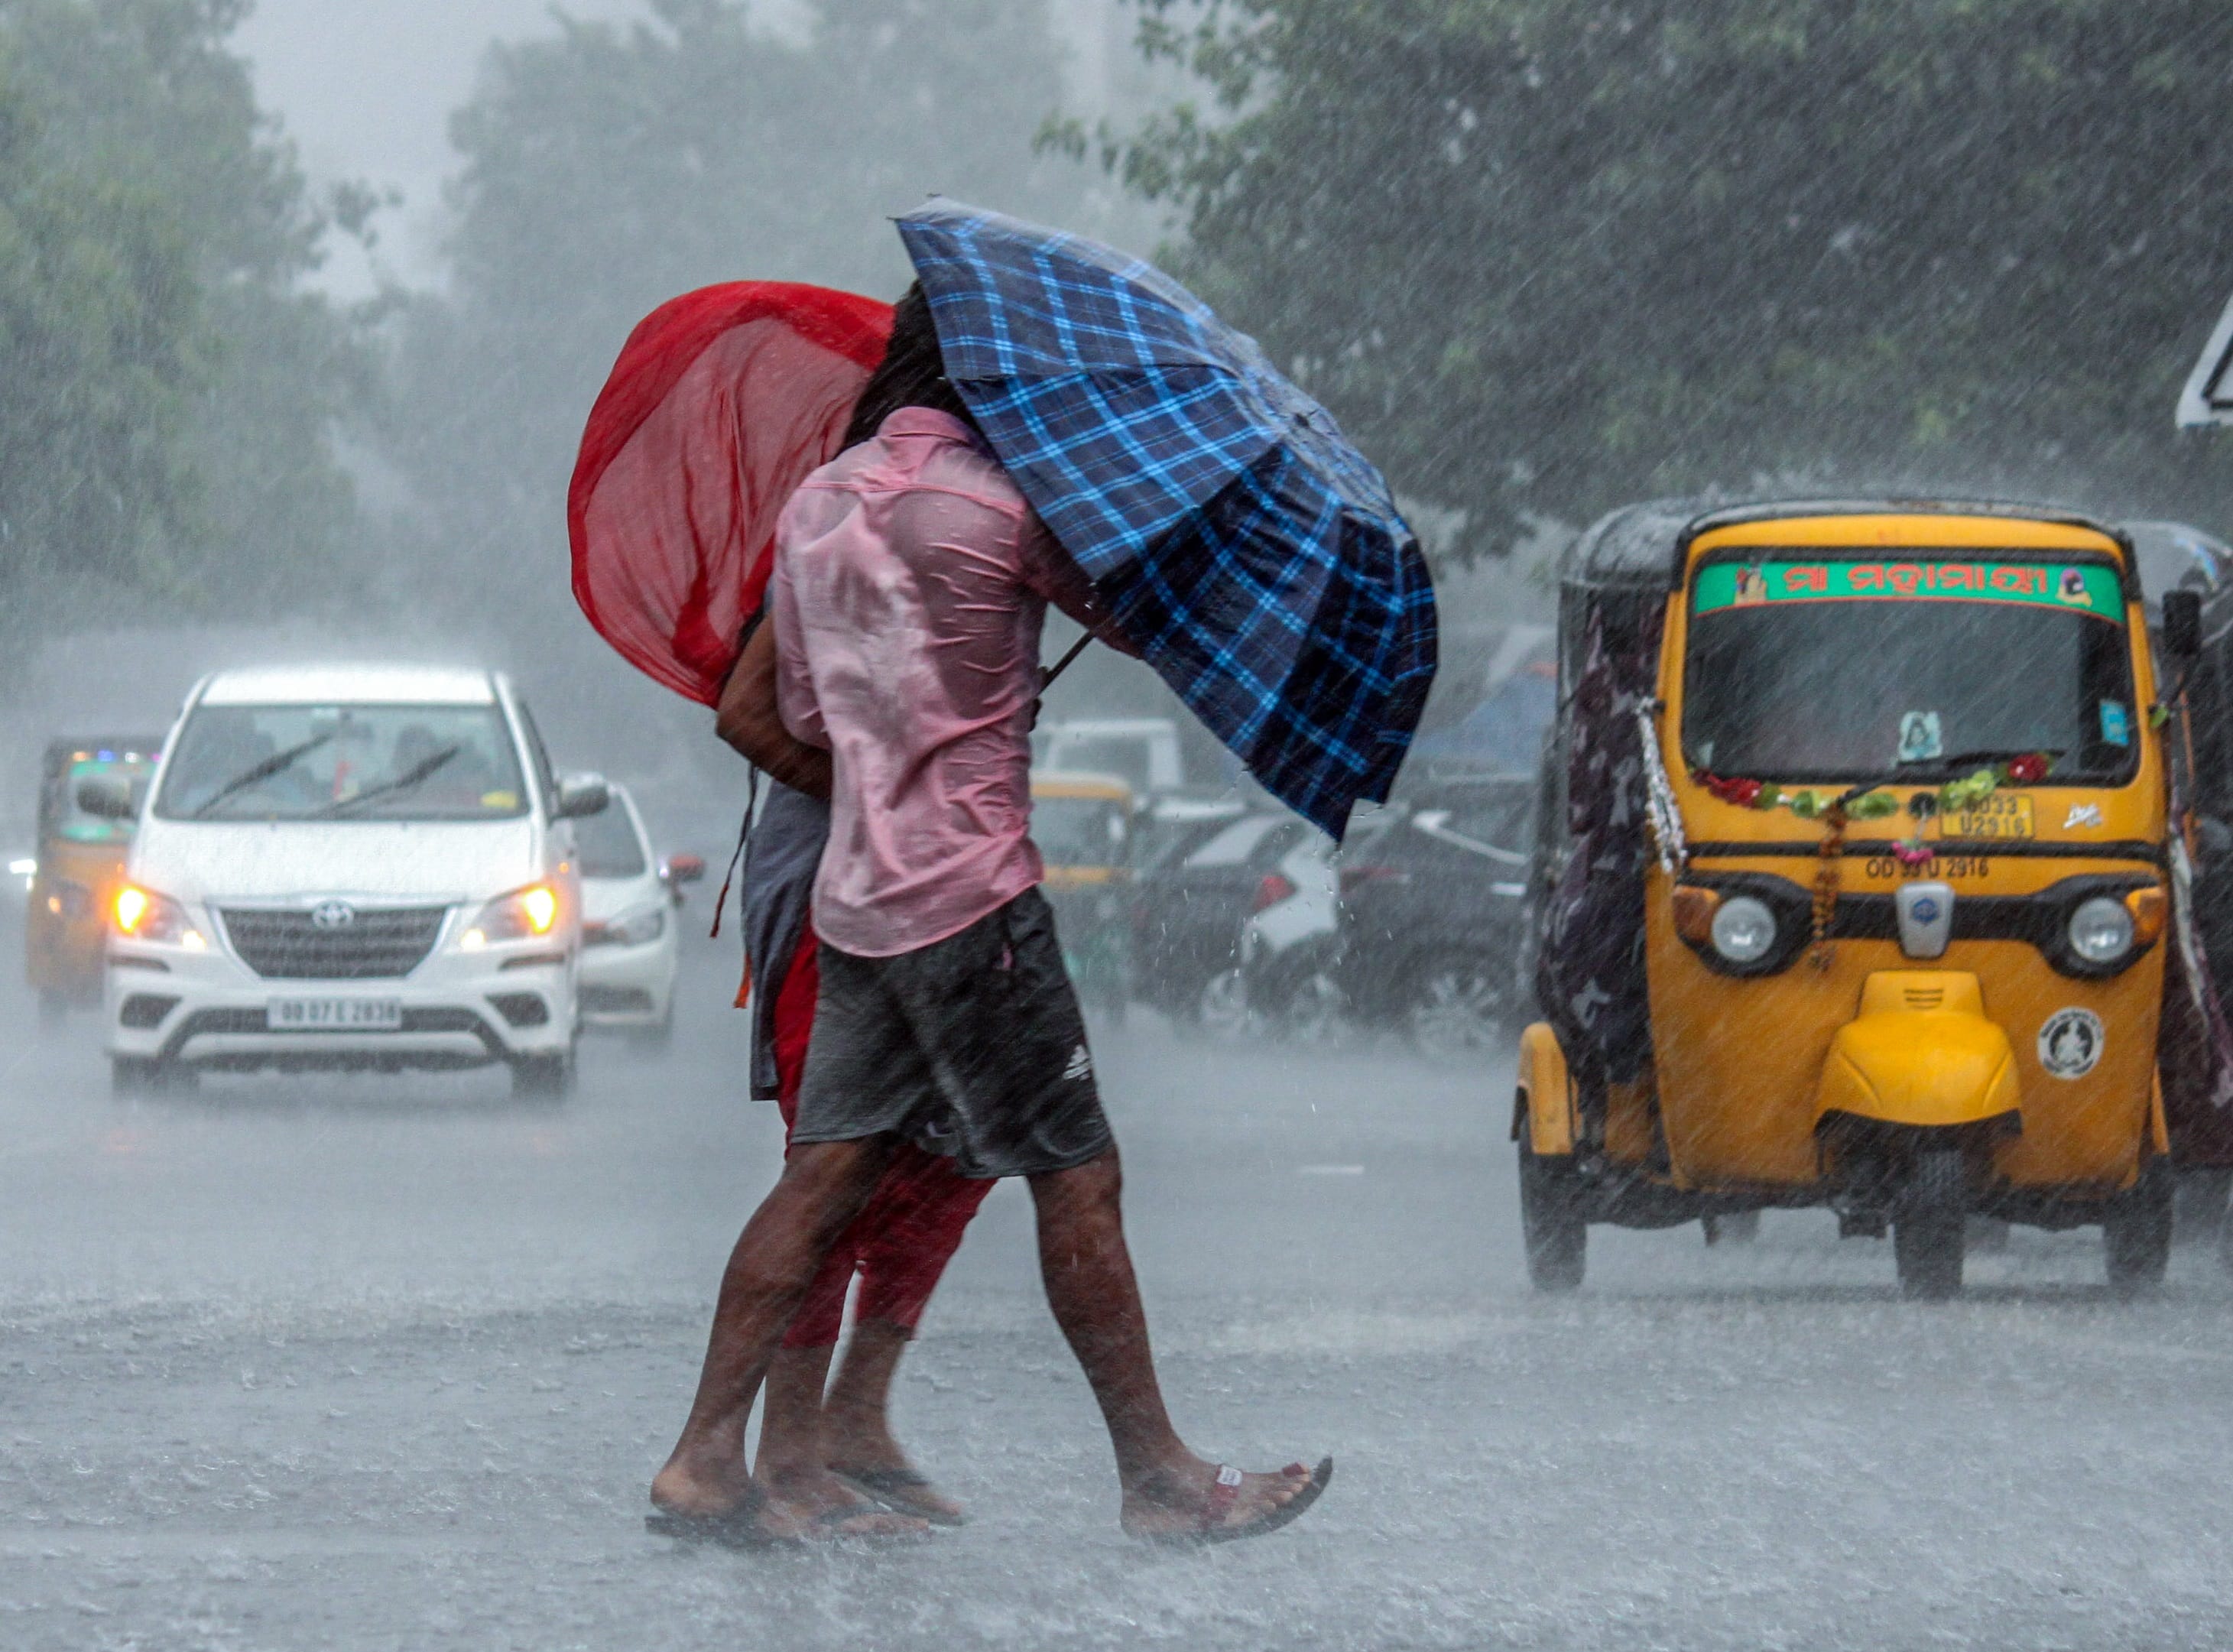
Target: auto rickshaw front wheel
x,y
1556,1233
1931,1225
2136,1231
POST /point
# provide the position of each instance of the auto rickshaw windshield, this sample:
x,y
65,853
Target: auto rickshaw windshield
x,y
70,820
1848,670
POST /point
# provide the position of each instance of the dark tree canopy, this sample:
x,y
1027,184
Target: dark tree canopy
x,y
1545,255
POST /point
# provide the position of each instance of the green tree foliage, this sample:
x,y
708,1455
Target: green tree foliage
x,y
1544,256
609,168
98,326
160,231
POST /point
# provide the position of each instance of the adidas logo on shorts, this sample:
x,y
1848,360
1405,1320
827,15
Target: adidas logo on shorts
x,y
1080,1068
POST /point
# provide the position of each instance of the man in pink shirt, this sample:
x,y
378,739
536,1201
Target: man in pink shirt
x,y
911,580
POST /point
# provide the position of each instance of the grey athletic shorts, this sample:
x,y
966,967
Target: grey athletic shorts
x,y
973,1045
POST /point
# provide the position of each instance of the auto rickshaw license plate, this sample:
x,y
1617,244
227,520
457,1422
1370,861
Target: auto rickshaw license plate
x,y
1996,818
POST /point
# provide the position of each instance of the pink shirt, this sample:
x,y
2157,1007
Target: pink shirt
x,y
910,581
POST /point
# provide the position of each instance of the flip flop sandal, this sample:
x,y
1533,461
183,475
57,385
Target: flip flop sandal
x,y
833,1521
890,1487
1226,1488
738,1529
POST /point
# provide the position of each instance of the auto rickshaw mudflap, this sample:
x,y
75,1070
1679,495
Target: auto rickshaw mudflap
x,y
1921,1055
1543,1105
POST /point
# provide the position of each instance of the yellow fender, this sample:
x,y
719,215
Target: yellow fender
x,y
1545,1107
1920,1053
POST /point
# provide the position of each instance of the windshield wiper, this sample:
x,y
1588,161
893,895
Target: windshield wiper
x,y
415,775
263,770
1956,760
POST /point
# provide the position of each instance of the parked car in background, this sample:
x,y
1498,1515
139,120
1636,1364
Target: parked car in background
x,y
1288,977
1434,916
630,941
348,867
77,866
1189,904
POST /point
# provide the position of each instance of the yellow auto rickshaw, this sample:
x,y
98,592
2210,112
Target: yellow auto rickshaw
x,y
80,862
1083,825
1855,891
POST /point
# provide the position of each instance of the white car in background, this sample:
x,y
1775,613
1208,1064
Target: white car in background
x,y
629,944
348,867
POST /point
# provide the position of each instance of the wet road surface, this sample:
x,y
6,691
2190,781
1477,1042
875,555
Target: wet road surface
x,y
388,1363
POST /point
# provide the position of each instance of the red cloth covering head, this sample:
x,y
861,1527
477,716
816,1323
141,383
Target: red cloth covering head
x,y
722,402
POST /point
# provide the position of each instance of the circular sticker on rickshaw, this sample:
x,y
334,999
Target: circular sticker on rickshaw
x,y
2070,1043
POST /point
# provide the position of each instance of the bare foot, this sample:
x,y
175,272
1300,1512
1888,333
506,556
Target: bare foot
x,y
1183,1500
711,1500
699,1489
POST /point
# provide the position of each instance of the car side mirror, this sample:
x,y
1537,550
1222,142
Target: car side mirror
x,y
106,798
587,795
2182,624
685,868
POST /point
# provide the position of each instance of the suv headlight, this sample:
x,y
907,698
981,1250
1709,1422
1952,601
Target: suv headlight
x,y
1744,929
142,914
522,915
2101,929
637,928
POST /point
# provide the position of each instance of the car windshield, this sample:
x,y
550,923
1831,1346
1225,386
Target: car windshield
x,y
1234,845
1495,824
364,762
1849,670
1078,831
606,845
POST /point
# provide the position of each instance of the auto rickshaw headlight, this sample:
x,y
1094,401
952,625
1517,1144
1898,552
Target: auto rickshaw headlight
x,y
1744,929
2102,930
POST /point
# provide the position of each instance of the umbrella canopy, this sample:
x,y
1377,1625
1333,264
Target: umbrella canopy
x,y
722,402
1255,557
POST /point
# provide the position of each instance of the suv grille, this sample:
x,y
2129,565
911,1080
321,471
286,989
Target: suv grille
x,y
290,945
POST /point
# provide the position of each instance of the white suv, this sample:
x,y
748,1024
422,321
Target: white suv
x,y
352,866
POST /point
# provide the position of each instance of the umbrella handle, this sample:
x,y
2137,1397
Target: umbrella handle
x,y
1065,663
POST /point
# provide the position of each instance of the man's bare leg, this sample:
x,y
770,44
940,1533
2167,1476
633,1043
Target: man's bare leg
x,y
858,1420
1096,1298
823,1186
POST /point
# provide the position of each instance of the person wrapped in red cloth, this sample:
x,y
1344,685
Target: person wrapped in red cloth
x,y
721,402
826,1447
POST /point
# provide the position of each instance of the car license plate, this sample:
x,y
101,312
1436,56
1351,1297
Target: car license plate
x,y
334,1015
2000,816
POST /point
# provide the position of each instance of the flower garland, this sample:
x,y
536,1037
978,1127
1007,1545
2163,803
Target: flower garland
x,y
1661,807
1834,809
1950,798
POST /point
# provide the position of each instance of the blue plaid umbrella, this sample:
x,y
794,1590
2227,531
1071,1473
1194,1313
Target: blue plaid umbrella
x,y
1254,556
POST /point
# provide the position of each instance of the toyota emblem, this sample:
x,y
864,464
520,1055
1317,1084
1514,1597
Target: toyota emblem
x,y
333,914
